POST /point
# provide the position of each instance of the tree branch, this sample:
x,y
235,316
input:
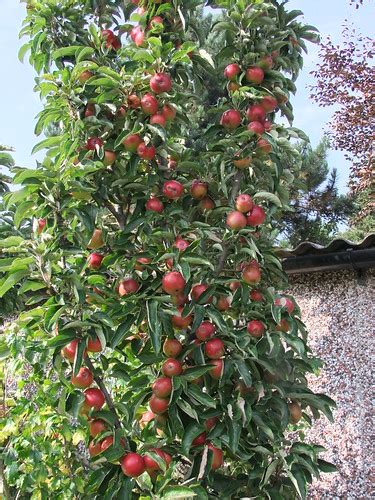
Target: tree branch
x,y
236,185
103,388
223,259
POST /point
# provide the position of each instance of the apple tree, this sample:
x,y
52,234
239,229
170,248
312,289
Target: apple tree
x,y
161,357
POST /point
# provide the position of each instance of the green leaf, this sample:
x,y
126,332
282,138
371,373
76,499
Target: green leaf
x,y
195,372
47,143
122,331
154,324
10,281
66,51
234,432
176,492
264,195
191,432
196,393
326,466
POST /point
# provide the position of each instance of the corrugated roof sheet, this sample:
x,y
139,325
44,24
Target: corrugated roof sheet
x,y
339,245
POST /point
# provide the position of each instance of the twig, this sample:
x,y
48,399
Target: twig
x,y
103,388
6,489
236,185
223,259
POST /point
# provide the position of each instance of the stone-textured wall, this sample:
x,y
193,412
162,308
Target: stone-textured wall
x,y
339,311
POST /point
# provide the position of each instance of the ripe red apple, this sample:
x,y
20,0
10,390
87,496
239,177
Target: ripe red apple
x,y
172,348
181,322
256,113
94,260
149,104
141,263
94,345
41,225
162,387
160,82
256,296
181,244
158,405
156,21
295,412
285,303
169,112
96,240
128,286
218,457
133,101
255,75
234,285
205,330
131,142
255,328
111,40
244,203
251,275
69,351
256,127
171,368
214,349
151,465
146,152
94,143
207,204
146,417
223,303
200,440
231,119
132,465
256,217
267,125
198,189
154,205
197,291
236,220
217,369
83,379
95,449
173,190
242,163
96,427
89,110
85,75
173,283
158,119
180,299
94,398
268,103
210,423
264,146
231,71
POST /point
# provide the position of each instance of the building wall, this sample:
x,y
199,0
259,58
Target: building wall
x,y
339,311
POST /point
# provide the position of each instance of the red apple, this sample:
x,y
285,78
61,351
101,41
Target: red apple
x,y
256,113
128,286
95,260
172,348
173,190
171,368
223,303
236,220
234,285
89,110
158,119
264,146
210,423
41,225
244,203
146,152
267,125
96,427
255,328
205,330
283,326
85,75
285,303
93,143
162,387
158,405
256,217
169,112
214,349
83,379
181,322
160,82
109,158
132,465
256,296
197,291
149,104
231,71
218,457
251,275
94,398
198,189
154,205
231,119
94,345
266,62
181,244
137,35
94,449
268,103
233,86
207,204
133,101
216,371
69,351
256,127
255,75
96,240
173,283
200,440
131,142
242,163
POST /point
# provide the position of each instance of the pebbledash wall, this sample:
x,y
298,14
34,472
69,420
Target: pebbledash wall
x,y
338,308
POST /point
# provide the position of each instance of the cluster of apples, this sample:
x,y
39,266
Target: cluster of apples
x,y
247,213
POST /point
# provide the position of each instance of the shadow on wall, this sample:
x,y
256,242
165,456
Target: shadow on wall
x,y
338,309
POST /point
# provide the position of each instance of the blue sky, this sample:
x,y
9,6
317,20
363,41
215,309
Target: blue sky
x,y
19,105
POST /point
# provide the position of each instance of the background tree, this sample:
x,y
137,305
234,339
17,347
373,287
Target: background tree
x,y
345,78
318,209
155,328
